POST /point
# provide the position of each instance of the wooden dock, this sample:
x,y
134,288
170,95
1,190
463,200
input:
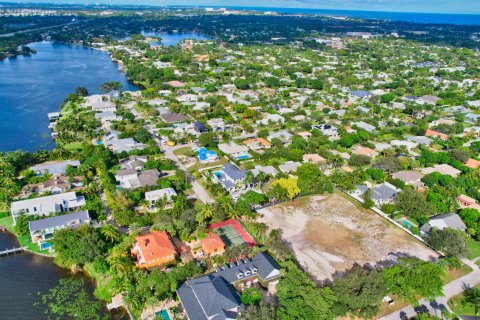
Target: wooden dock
x,y
12,251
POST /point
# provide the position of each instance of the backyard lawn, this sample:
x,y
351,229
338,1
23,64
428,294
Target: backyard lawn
x,y
24,241
104,285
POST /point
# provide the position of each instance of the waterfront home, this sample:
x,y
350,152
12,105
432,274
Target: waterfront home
x,y
154,249
213,296
45,206
99,102
234,150
153,196
131,178
54,167
42,230
443,221
107,116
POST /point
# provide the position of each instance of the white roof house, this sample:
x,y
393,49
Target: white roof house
x,y
54,167
46,205
233,149
153,196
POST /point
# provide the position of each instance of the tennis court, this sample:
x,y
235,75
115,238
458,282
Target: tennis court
x,y
232,233
229,236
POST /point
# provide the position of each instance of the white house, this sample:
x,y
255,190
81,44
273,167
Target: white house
x,y
44,206
154,196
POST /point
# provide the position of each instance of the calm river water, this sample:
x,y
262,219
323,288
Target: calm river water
x,y
31,86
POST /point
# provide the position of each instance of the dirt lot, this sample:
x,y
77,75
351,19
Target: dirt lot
x,y
329,234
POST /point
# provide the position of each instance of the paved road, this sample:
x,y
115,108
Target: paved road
x,y
197,188
200,192
435,307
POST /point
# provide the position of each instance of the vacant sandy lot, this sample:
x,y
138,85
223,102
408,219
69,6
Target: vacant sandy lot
x,y
329,234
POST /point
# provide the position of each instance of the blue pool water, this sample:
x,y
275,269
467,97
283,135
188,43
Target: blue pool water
x,y
163,314
204,154
45,246
243,157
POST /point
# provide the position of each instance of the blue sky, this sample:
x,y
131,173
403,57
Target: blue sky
x,y
441,6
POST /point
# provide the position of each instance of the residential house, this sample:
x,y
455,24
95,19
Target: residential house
x,y
436,134
328,130
442,169
283,135
428,99
289,166
131,178
314,158
123,145
257,144
45,206
443,221
234,150
212,245
384,193
465,201
472,163
153,196
213,296
410,177
231,178
173,117
363,125
133,162
267,170
421,140
54,167
359,94
269,118
55,185
42,230
153,250
364,151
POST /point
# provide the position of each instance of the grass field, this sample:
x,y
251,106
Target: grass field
x,y
104,285
474,248
459,307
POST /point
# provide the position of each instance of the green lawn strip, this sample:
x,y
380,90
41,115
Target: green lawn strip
x,y
474,248
104,284
459,307
453,274
74,146
183,151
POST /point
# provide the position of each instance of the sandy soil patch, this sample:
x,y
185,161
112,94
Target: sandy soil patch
x,y
329,234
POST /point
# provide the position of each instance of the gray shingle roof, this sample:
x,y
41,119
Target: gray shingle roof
x,y
233,172
212,296
58,221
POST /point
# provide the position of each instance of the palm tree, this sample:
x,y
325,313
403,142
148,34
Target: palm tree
x,y
207,211
110,233
472,296
120,264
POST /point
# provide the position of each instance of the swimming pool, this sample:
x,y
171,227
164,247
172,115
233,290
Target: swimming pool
x,y
163,314
407,224
205,155
45,246
243,157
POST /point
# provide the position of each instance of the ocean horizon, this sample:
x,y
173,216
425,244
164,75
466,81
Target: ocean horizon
x,y
425,18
